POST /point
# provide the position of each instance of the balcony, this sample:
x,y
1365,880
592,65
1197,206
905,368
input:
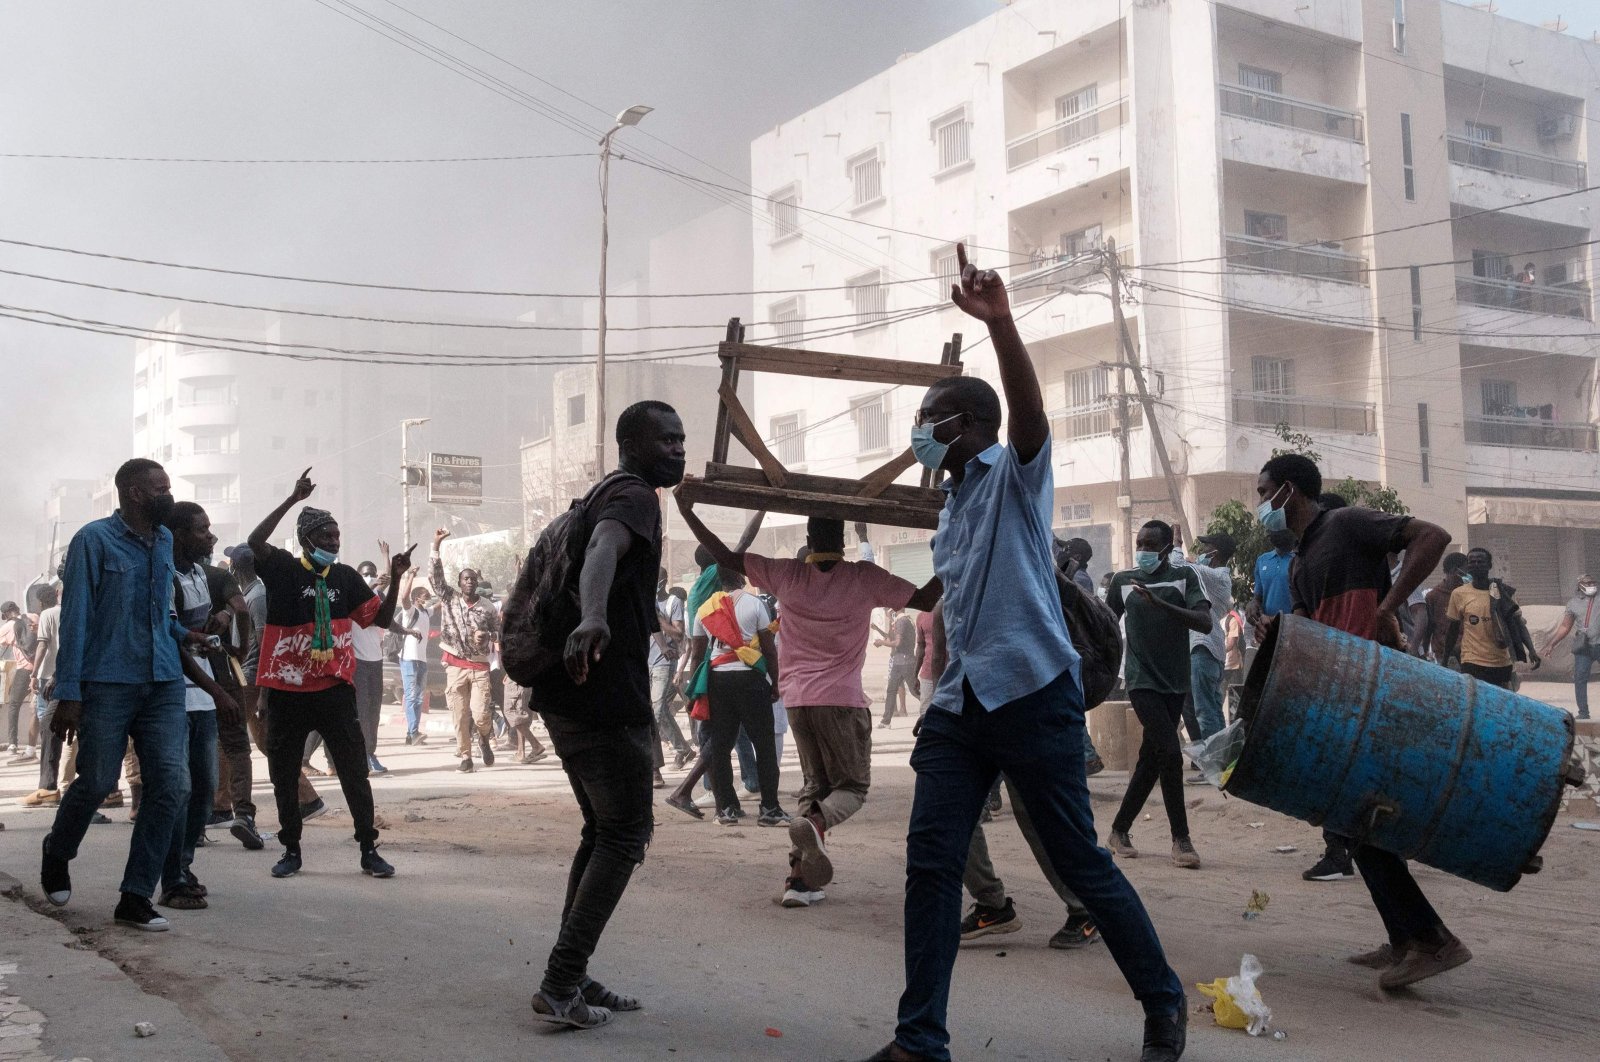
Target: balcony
x,y
1097,420
190,415
1305,412
1067,274
1066,133
1269,107
1531,433
1253,254
1492,158
1566,300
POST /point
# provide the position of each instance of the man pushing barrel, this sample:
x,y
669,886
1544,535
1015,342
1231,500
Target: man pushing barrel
x,y
1341,578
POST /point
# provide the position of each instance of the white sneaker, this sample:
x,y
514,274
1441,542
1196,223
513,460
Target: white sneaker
x,y
706,800
798,894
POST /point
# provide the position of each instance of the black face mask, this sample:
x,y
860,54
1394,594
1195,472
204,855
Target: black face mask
x,y
159,506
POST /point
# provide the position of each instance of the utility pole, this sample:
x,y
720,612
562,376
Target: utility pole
x,y
1131,358
405,478
1125,491
628,117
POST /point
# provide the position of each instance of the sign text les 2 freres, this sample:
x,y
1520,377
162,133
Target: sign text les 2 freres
x,y
455,479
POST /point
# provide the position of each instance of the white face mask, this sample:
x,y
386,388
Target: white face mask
x,y
1586,591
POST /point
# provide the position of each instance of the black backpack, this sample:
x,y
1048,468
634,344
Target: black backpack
x,y
1096,636
544,607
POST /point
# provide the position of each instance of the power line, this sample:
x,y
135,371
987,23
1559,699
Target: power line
x,y
291,161
1354,270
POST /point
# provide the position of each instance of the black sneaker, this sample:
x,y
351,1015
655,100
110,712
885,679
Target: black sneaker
x,y
312,808
374,767
374,865
244,830
1079,932
54,878
1331,867
465,766
220,818
729,817
289,865
1165,1035
982,921
1093,766
773,817
137,911
487,748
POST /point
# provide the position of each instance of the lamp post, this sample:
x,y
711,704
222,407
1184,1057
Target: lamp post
x,y
405,478
628,117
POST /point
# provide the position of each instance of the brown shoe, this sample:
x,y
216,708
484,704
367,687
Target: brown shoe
x,y
1380,958
113,799
41,798
1121,844
1184,855
1422,962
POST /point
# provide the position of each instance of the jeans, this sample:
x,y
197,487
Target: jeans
x,y
902,675
152,714
1160,758
610,775
331,713
1037,741
1205,683
1582,667
369,700
202,786
661,697
49,744
742,698
413,676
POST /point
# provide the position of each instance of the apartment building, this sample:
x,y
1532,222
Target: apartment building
x,y
1325,213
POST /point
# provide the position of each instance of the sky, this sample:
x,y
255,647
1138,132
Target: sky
x,y
300,79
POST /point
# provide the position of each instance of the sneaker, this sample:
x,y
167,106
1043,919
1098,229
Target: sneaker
x,y
807,838
1165,1035
136,911
1331,867
374,767
1197,778
981,921
101,820
245,832
411,738
1079,932
1379,958
706,800
1093,766
182,898
486,747
289,865
773,816
658,782
681,757
23,758
1184,855
311,809
374,864
193,883
422,739
220,818
465,767
1121,844
796,893
993,803
1422,962
575,1012
42,798
729,817
54,878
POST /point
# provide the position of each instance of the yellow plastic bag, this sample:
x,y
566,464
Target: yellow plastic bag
x,y
1236,1003
1223,1008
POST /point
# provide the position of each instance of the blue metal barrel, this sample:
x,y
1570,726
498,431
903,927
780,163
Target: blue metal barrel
x,y
1408,756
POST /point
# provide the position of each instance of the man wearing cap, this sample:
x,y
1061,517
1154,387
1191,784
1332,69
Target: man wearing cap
x,y
1208,651
308,664
467,626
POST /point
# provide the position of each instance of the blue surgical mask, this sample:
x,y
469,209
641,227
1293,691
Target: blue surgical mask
x,y
1466,578
1273,520
322,558
1147,560
930,452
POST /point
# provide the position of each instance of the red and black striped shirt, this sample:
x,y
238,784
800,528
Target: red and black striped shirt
x,y
1341,571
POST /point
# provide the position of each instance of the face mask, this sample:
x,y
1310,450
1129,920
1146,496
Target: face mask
x,y
1587,591
160,506
928,450
322,558
1271,519
1146,560
371,580
1206,560
1466,577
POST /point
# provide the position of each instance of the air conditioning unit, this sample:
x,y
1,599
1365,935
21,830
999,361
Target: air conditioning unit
x,y
1562,126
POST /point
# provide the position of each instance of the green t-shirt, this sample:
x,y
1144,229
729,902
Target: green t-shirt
x,y
1157,656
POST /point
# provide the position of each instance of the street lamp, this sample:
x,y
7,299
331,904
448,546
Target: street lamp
x,y
405,478
630,116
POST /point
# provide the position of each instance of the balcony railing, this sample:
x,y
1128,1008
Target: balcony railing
x,y
1482,155
1096,420
1033,146
1304,260
1303,411
1273,109
1531,433
1565,300
1068,272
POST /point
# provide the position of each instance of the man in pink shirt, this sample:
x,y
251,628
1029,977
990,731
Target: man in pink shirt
x,y
825,604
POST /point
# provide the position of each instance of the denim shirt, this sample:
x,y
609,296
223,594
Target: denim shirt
x,y
994,552
116,609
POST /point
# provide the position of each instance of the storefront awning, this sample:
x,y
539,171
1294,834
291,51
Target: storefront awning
x,y
1578,513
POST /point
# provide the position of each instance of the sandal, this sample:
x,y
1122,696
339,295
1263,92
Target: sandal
x,y
685,805
598,995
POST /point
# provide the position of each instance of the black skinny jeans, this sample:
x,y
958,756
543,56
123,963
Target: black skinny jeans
x,y
742,698
610,775
1160,759
291,717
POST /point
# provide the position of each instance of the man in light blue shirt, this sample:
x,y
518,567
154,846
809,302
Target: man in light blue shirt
x,y
1272,577
1009,699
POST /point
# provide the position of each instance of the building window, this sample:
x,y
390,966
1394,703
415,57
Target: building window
x,y
214,489
210,444
1081,241
1077,116
952,137
1407,170
872,424
869,297
787,320
789,438
1272,376
141,422
1499,397
946,269
1400,26
206,393
1422,437
866,177
1274,227
783,210
1088,410
1254,77
574,410
1416,302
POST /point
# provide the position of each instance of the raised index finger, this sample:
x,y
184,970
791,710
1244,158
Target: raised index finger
x,y
307,473
961,255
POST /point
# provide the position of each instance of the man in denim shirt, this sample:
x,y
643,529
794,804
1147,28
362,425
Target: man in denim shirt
x,y
118,675
996,709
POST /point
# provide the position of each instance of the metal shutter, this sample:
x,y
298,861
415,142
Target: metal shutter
x,y
911,561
